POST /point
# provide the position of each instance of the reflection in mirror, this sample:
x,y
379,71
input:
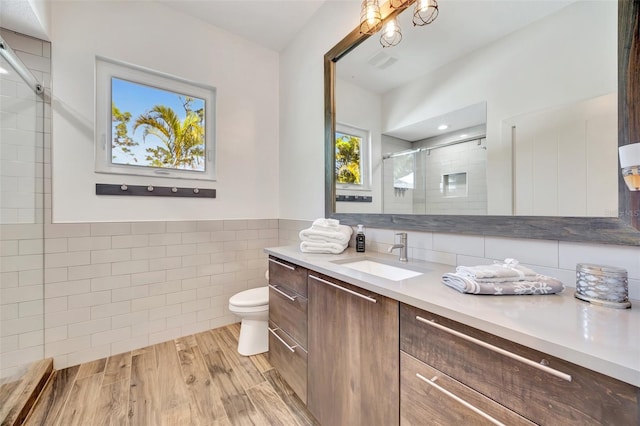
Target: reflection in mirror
x,y
437,166
544,75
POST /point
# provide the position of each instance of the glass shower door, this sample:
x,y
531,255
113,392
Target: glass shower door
x,y
21,218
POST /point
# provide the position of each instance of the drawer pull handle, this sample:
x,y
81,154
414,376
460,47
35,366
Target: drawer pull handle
x,y
543,365
282,293
473,408
291,348
355,293
284,265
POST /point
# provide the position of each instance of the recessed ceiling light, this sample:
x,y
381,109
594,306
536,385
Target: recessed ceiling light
x,y
3,71
463,136
443,127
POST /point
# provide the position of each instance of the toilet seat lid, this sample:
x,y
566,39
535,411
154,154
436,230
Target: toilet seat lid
x,y
252,297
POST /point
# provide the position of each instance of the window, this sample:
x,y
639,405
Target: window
x,y
352,158
153,124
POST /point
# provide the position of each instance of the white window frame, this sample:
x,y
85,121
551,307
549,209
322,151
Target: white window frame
x,y
365,157
105,70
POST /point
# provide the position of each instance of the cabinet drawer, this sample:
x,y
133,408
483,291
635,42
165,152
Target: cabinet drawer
x,y
290,359
426,393
287,274
288,311
542,388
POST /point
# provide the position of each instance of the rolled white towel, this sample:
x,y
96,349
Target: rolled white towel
x,y
510,270
341,235
538,284
322,247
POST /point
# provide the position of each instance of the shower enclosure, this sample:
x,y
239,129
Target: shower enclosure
x,y
22,191
447,178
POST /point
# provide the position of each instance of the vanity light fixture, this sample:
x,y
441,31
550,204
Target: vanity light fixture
x,y
370,17
426,12
630,165
399,4
390,35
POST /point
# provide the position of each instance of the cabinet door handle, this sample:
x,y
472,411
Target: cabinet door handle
x,y
355,293
432,382
277,290
539,366
284,265
291,348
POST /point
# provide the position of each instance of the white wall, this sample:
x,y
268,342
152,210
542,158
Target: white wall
x,y
151,35
301,110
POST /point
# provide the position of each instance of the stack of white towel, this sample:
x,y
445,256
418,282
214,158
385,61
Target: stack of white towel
x,y
325,236
508,278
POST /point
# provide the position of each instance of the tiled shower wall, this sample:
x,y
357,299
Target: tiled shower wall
x,y
25,149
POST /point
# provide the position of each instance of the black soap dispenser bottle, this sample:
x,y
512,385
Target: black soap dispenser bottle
x,y
360,239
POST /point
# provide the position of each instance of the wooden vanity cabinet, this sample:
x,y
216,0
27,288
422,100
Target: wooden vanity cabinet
x,y
536,386
288,323
353,354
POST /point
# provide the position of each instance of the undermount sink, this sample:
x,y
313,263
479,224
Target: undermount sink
x,y
389,272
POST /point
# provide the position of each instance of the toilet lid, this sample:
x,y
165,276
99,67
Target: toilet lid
x,y
253,297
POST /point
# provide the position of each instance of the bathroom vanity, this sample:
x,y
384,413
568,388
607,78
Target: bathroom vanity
x,y
361,349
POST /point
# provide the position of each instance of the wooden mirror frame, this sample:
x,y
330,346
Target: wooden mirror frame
x,y
623,230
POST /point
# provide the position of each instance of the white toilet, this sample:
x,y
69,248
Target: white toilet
x,y
253,307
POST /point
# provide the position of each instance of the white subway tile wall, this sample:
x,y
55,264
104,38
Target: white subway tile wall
x,y
129,285
24,150
549,257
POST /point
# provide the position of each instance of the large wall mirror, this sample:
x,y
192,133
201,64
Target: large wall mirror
x,y
499,118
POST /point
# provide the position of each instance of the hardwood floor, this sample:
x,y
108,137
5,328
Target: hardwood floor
x,y
194,380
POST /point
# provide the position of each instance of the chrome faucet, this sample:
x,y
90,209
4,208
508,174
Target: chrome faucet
x,y
402,246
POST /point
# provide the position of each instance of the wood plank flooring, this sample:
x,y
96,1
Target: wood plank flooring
x,y
18,396
195,380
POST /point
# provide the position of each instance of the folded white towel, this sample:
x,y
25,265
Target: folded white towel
x,y
538,284
326,224
320,247
510,270
341,235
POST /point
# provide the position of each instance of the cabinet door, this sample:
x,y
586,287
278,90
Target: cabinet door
x,y
429,396
289,312
353,355
290,359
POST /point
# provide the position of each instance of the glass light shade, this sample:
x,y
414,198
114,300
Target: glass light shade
x,y
399,4
630,164
391,34
426,12
631,177
370,17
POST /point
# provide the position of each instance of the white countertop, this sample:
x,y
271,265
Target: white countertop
x,y
602,339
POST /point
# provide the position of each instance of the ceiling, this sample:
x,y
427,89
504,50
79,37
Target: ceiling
x,y
461,27
269,23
